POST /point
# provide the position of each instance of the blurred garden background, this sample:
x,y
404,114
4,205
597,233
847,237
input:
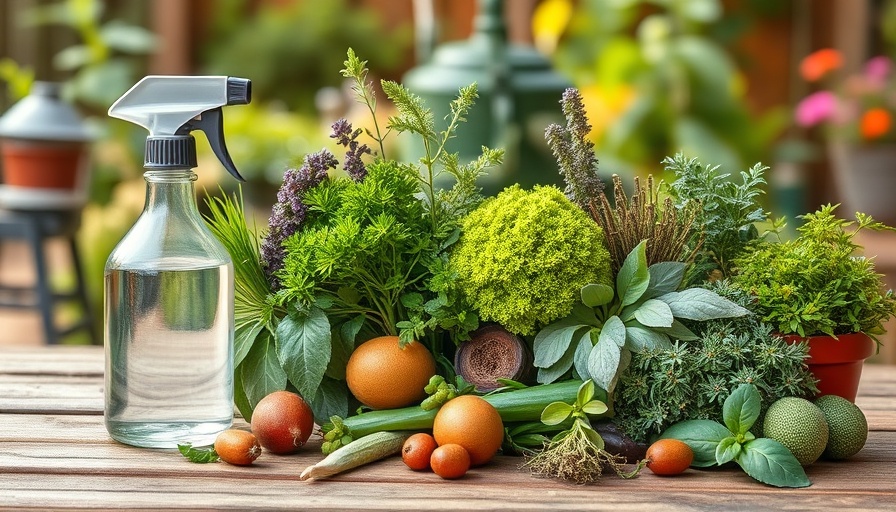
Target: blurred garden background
x,y
720,80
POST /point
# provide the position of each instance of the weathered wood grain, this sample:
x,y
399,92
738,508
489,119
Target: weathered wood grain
x,y
55,454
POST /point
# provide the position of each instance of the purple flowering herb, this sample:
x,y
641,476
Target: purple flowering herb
x,y
347,138
289,212
575,153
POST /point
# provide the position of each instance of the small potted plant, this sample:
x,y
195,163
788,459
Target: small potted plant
x,y
816,287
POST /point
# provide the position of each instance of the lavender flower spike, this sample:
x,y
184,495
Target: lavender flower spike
x,y
289,212
575,153
353,165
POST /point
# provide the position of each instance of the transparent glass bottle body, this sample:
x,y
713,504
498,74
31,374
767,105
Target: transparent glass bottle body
x,y
168,307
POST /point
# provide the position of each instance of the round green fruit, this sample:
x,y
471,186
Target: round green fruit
x,y
847,426
799,425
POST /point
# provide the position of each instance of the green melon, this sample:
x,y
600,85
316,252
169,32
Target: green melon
x,y
799,425
847,426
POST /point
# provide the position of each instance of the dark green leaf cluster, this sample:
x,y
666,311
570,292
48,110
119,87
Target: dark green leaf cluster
x,y
642,313
727,215
524,255
691,379
715,444
815,284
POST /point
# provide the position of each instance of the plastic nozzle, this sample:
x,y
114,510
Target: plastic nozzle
x,y
239,91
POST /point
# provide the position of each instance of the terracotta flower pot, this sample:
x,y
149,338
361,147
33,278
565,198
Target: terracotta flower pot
x,y
39,164
837,363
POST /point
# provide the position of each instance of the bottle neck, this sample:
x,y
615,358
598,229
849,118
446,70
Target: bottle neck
x,y
171,190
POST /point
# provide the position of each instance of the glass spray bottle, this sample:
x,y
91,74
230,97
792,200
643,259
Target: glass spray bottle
x,y
169,282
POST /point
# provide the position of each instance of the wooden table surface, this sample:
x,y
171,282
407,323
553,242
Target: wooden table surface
x,y
55,454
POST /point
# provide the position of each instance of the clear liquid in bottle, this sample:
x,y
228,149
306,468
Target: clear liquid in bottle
x,y
169,370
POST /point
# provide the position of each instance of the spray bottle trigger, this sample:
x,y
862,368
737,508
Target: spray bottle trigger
x,y
211,122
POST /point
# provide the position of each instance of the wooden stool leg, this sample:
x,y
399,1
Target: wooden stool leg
x,y
44,293
81,291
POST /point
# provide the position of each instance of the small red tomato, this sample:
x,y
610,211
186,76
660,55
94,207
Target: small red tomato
x,y
669,457
450,461
237,447
417,451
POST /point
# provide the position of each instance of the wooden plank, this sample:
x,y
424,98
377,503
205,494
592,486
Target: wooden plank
x,y
26,394
57,360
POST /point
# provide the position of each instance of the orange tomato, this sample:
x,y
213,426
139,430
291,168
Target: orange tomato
x,y
473,423
669,457
450,461
382,375
417,451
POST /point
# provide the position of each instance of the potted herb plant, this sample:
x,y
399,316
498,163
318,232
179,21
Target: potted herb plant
x,y
814,287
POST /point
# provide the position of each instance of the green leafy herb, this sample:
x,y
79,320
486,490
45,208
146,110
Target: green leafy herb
x,y
766,460
727,215
576,454
815,284
524,255
198,455
351,257
691,380
643,312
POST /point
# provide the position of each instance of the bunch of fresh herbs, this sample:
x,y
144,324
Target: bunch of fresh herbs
x,y
727,215
643,312
815,284
349,258
691,380
715,444
576,454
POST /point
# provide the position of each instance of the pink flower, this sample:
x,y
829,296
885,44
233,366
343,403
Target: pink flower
x,y
816,108
877,69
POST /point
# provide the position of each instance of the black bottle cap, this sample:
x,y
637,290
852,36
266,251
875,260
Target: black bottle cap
x,y
239,91
170,152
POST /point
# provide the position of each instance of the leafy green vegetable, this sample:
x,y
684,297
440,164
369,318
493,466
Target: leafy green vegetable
x,y
766,460
727,217
641,314
524,255
351,257
814,284
576,454
198,455
690,380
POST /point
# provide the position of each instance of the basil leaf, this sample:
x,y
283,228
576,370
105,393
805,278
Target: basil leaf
x,y
665,277
558,369
769,462
304,349
330,399
678,331
198,455
260,372
727,450
553,342
701,304
596,294
585,393
703,436
654,313
633,278
741,409
244,336
555,413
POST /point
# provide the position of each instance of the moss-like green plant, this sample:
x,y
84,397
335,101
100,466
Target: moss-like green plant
x,y
524,255
815,284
